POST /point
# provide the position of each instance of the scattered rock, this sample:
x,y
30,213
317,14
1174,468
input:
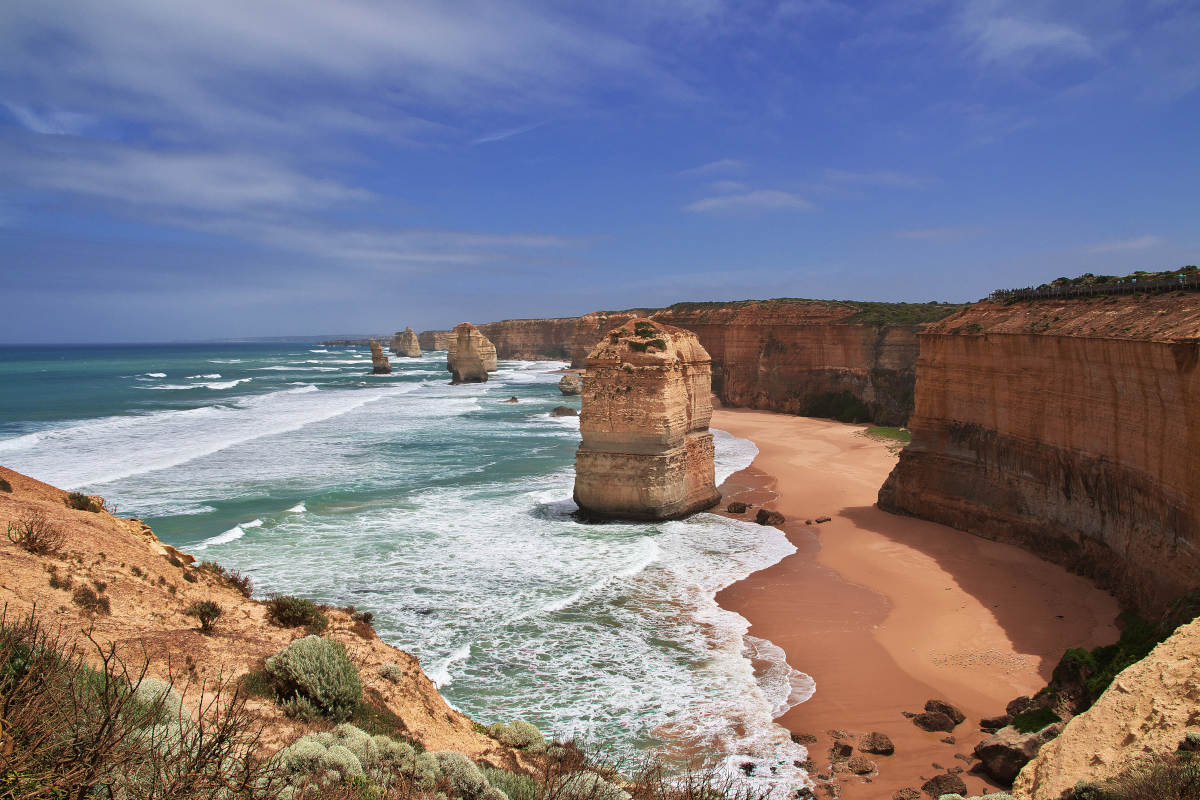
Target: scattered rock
x,y
804,794
993,724
907,714
963,757
822,519
1019,706
765,517
934,706
510,400
877,744
907,794
804,738
1004,753
942,784
933,721
570,384
808,522
563,411
861,765
841,751
736,507
948,740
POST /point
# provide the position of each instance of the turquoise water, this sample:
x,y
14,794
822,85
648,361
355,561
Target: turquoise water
x,y
440,508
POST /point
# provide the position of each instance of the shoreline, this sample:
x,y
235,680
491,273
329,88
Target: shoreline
x,y
886,612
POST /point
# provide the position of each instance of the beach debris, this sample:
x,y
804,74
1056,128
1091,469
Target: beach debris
x,y
945,783
1005,752
934,706
933,721
737,507
907,794
563,411
570,384
379,360
804,738
765,517
861,765
822,519
877,744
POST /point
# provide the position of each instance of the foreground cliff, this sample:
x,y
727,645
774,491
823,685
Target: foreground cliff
x,y
646,451
1068,427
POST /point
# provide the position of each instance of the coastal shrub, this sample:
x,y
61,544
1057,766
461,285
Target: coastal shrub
x,y
514,786
316,675
86,598
588,785
1166,777
72,730
207,612
57,581
294,612
642,347
5,486
32,531
81,502
842,406
349,755
464,779
233,577
1083,675
519,734
392,672
1035,719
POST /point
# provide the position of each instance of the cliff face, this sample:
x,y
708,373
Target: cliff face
x,y
471,356
379,360
646,451
150,586
1067,427
405,344
434,340
530,339
1146,711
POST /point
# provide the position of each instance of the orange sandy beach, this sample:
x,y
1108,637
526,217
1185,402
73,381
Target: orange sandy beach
x,y
886,612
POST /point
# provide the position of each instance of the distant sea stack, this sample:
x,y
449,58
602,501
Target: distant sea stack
x,y
379,360
646,453
471,355
434,340
405,344
1069,427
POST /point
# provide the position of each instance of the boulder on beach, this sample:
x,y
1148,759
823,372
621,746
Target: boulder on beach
x,y
877,744
950,711
379,360
737,507
945,783
1004,753
563,411
765,517
570,384
934,721
861,765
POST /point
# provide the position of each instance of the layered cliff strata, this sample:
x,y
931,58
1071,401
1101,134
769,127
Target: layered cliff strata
x,y
405,344
471,356
379,360
1070,428
434,340
646,451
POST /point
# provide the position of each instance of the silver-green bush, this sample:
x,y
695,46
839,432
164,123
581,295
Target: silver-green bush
x,y
319,672
392,672
590,786
518,734
464,778
347,753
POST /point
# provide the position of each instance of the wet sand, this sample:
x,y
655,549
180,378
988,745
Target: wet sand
x,y
886,612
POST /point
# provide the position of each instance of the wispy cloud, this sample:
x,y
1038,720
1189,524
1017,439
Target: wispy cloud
x,y
999,33
722,165
728,186
1137,243
876,178
508,133
54,122
756,200
939,235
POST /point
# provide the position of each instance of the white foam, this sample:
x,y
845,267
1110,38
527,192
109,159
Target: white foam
x,y
216,385
231,535
440,674
209,376
318,351
155,374
299,508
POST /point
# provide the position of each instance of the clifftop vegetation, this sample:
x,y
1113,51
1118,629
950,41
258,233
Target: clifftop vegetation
x,y
864,312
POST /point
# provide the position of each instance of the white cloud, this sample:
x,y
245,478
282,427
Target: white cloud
x,y
1000,34
715,167
498,136
53,122
1137,243
756,200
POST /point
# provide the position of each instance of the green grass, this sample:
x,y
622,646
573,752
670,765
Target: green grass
x,y
865,312
1034,720
899,434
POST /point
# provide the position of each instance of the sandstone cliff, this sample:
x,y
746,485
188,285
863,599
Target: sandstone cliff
x,y
150,585
434,340
646,451
1070,428
1146,712
379,360
471,356
405,344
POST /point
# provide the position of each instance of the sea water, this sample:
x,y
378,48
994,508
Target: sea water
x,y
443,510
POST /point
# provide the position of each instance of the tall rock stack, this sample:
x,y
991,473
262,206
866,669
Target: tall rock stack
x,y
379,360
405,344
646,451
471,356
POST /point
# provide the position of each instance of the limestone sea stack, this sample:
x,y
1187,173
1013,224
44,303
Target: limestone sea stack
x,y
405,344
570,384
379,360
471,355
646,453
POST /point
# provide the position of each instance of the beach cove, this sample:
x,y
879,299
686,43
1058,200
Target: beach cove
x,y
886,612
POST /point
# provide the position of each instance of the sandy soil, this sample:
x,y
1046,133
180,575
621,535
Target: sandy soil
x,y
886,612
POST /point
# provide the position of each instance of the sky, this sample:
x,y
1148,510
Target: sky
x,y
229,168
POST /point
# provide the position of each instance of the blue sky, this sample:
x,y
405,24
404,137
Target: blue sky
x,y
176,170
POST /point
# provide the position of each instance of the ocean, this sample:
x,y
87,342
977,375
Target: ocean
x,y
441,509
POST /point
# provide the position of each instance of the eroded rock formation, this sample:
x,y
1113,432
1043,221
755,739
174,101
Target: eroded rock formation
x,y
471,356
570,384
1069,427
434,340
646,451
379,360
405,344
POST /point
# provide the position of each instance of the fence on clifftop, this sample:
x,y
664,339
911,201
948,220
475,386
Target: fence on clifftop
x,y
1183,282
